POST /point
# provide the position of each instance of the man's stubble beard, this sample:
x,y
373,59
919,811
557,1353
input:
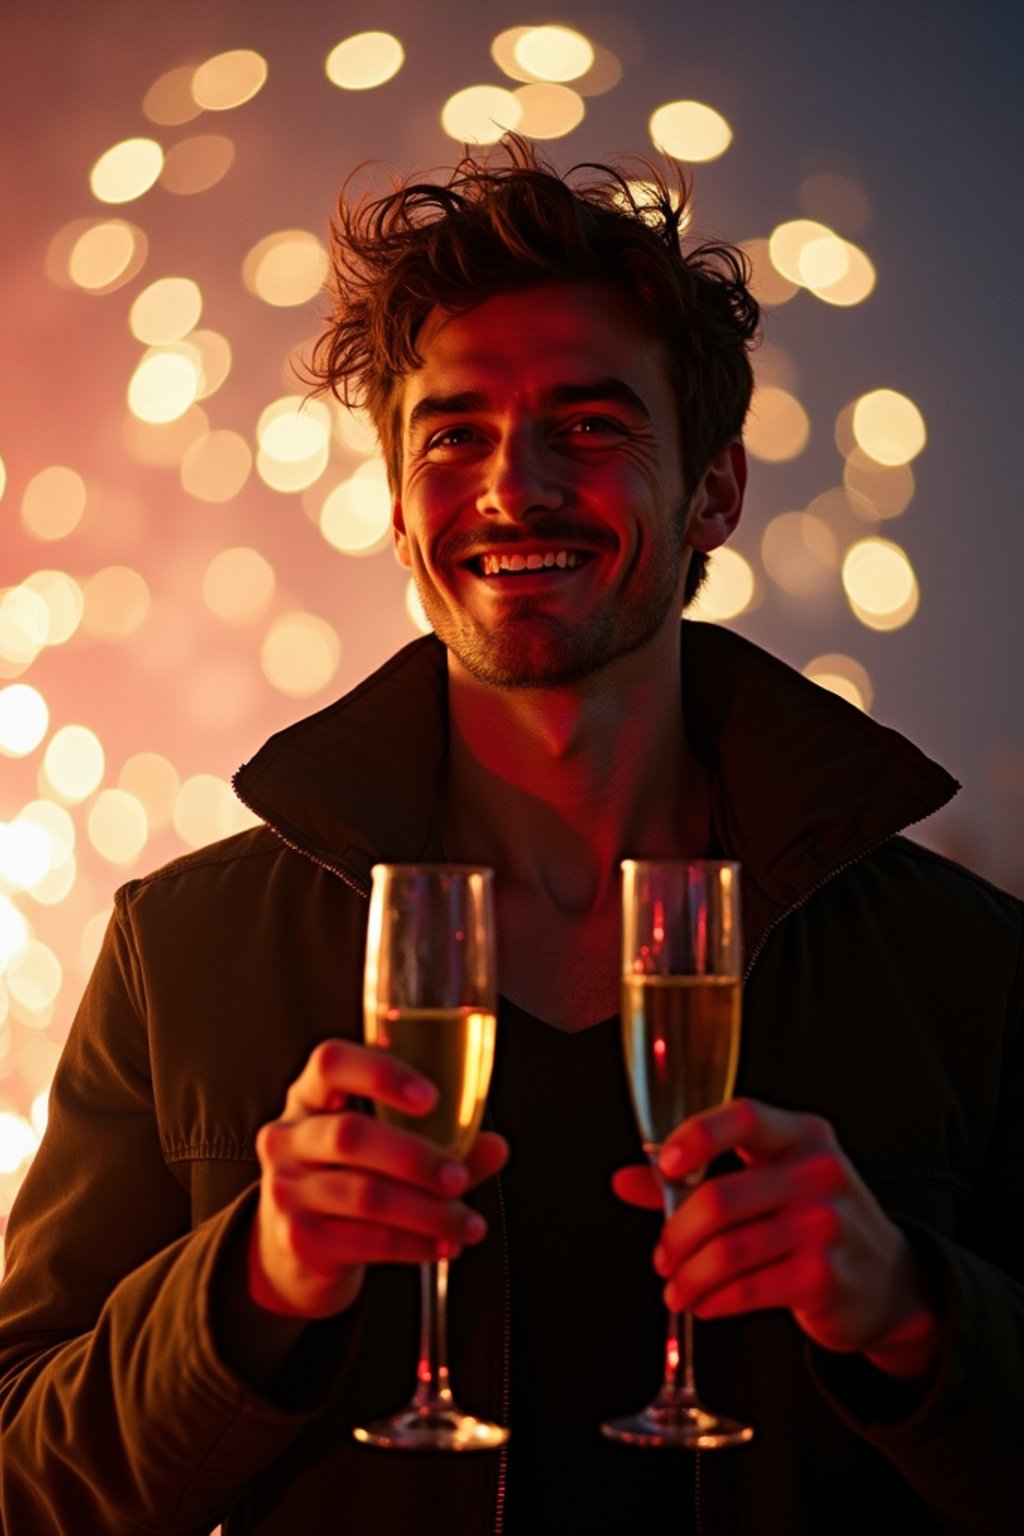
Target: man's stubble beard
x,y
561,654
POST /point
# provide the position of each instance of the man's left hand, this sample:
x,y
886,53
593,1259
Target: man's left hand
x,y
796,1228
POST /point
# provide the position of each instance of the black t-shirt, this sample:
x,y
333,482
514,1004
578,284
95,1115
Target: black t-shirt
x,y
588,1323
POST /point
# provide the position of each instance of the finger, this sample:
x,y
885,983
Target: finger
x,y
798,1282
326,1247
356,1140
348,1194
742,1252
638,1185
753,1194
762,1131
339,1069
487,1156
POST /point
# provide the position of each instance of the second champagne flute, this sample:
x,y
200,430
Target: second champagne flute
x,y
429,995
681,1000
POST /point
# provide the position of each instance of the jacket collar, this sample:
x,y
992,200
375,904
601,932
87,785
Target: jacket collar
x,y
804,784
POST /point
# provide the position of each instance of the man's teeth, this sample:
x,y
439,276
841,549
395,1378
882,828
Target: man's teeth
x,y
563,559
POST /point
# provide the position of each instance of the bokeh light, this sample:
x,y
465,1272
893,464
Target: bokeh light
x,y
286,268
53,502
169,100
690,130
238,585
842,675
73,763
197,164
880,584
415,609
777,427
163,386
549,111
480,114
366,60
152,780
116,602
552,53
300,654
24,719
729,588
888,426
117,825
165,311
64,603
208,809
96,255
356,515
216,466
889,488
800,553
229,79
24,629
126,170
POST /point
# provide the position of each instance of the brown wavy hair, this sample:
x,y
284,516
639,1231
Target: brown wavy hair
x,y
493,228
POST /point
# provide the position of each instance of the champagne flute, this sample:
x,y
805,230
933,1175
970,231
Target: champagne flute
x,y
429,995
681,1000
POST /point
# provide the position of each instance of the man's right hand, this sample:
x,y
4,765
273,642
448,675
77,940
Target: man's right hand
x,y
340,1190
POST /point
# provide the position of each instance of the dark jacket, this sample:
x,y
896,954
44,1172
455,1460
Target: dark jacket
x,y
885,991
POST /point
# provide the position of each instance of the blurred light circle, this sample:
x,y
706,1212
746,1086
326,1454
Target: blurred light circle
x,y
729,588
229,79
289,476
552,53
126,170
25,853
838,200
778,427
165,311
856,283
15,933
91,940
888,426
64,602
215,467
117,826
56,884
480,114
366,60
18,1142
164,443
102,257
53,503
690,130
888,487
238,585
356,516
213,354
286,268
799,552
116,602
300,654
57,825
24,629
199,807
34,978
415,609
823,261
549,111
787,241
880,584
169,100
844,676
153,781
773,365
24,719
197,164
766,282
355,431
163,386
293,429
73,763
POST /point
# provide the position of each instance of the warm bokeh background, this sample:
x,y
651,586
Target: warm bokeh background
x,y
187,564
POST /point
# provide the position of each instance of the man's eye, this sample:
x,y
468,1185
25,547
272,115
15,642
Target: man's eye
x,y
451,437
589,426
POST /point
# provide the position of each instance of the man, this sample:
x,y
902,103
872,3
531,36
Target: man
x,y
205,1292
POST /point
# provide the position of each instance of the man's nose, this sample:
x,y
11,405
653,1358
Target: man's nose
x,y
520,479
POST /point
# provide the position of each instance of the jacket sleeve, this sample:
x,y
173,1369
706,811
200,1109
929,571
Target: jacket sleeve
x,y
959,1445
117,1411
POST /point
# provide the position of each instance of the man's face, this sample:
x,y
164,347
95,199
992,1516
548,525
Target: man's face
x,y
541,506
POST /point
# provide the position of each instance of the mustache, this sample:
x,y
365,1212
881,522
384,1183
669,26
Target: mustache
x,y
550,528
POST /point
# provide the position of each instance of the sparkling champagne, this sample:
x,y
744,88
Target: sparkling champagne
x,y
454,1047
681,1037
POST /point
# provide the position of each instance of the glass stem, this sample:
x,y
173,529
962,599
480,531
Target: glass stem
x,y
432,1388
678,1386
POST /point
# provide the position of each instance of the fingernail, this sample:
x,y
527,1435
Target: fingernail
x,y
671,1162
417,1093
473,1227
452,1178
661,1260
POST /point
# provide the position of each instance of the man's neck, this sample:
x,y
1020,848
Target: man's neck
x,y
553,787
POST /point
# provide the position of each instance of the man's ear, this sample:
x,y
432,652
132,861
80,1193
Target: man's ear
x,y
717,503
398,534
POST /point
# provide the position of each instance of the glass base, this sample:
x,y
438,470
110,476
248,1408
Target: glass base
x,y
433,1428
680,1424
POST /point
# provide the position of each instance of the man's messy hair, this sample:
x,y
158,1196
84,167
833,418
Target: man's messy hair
x,y
508,220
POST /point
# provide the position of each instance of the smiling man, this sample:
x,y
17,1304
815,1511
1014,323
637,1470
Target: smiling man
x,y
207,1291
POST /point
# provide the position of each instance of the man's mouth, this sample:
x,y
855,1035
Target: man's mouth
x,y
513,563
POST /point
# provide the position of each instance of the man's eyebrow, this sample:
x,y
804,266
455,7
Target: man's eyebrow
x,y
467,401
